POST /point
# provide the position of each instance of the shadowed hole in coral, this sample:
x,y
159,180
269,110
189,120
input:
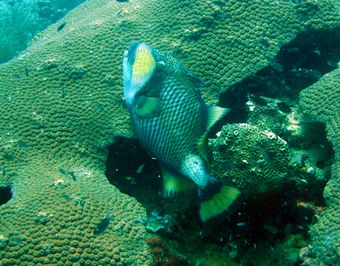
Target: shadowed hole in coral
x,y
5,194
267,217
134,172
320,164
298,65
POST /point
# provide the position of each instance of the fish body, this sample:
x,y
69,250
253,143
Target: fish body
x,y
171,122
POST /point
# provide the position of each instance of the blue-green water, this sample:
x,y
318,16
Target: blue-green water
x,y
21,20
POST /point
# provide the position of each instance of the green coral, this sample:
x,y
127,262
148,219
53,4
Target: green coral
x,y
54,213
249,158
62,104
266,114
309,150
322,102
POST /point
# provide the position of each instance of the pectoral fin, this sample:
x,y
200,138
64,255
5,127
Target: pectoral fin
x,y
148,106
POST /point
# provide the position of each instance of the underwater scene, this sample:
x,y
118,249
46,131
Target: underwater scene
x,y
170,132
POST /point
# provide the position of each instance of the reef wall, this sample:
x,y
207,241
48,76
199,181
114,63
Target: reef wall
x,y
321,101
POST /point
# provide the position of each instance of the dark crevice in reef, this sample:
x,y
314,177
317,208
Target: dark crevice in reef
x,y
133,172
5,195
298,65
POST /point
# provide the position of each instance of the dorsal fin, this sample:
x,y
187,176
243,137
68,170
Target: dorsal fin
x,y
214,113
202,146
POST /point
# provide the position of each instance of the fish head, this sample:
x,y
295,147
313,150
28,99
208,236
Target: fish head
x,y
139,65
144,69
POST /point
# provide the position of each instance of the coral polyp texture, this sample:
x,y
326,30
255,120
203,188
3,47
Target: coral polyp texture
x,y
267,115
321,101
61,105
53,219
249,158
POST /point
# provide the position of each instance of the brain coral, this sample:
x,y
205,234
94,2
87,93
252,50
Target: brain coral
x,y
61,104
249,158
52,219
322,102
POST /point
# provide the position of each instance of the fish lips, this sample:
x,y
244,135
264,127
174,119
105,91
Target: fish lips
x,y
129,90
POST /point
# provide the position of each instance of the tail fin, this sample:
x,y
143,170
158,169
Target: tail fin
x,y
216,199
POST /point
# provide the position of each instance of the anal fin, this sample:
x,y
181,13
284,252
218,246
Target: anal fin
x,y
174,185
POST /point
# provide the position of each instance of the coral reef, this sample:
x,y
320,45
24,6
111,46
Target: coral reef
x,y
162,255
310,152
265,113
321,101
62,105
52,219
249,158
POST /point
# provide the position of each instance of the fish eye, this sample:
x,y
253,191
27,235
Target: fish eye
x,y
160,65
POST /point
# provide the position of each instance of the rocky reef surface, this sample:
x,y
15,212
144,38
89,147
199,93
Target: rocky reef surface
x,y
65,132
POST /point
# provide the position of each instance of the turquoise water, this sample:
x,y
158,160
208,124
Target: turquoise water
x,y
78,188
21,20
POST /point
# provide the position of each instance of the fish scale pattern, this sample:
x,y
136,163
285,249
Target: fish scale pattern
x,y
61,99
159,133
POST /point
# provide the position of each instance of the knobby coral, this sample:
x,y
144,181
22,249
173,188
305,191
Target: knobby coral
x,y
321,101
249,158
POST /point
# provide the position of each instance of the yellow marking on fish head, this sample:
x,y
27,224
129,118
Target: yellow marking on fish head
x,y
144,64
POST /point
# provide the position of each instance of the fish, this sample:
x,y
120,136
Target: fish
x,y
103,224
62,26
171,122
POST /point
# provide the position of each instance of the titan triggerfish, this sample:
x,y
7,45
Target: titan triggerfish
x,y
171,122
